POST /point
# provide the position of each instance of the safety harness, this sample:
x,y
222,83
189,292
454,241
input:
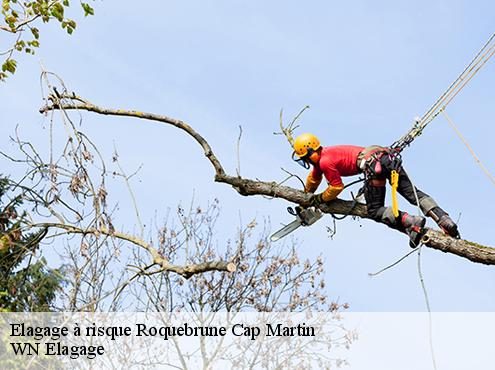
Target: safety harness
x,y
370,162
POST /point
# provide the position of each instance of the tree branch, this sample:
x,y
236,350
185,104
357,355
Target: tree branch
x,y
164,265
67,101
247,187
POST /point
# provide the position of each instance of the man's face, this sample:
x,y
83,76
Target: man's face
x,y
314,157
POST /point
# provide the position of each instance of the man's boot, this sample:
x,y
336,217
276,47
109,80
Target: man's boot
x,y
444,222
414,226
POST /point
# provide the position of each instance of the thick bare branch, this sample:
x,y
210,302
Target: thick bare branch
x,y
68,102
164,265
433,239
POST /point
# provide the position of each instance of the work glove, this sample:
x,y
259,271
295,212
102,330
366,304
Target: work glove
x,y
312,183
316,200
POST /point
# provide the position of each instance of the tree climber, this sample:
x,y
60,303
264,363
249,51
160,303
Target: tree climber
x,y
377,164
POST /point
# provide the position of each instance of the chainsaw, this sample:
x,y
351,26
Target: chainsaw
x,y
304,217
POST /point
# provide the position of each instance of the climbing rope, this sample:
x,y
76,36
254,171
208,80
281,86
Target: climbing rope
x,y
397,147
467,74
463,139
439,106
423,286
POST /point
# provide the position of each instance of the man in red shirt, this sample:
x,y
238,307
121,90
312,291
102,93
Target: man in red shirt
x,y
376,163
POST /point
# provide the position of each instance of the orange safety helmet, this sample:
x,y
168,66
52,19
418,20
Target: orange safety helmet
x,y
306,147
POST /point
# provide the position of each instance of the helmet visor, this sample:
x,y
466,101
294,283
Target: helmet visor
x,y
302,161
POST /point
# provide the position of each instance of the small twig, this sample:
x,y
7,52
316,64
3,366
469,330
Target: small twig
x,y
238,170
296,117
458,218
292,175
333,231
130,190
289,130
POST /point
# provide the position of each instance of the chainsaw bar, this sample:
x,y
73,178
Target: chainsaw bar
x,y
287,229
304,217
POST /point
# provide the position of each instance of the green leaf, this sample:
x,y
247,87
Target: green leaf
x,y
57,11
88,10
5,5
10,20
9,66
35,32
19,45
34,43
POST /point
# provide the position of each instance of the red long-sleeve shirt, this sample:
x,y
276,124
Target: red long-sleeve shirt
x,y
337,161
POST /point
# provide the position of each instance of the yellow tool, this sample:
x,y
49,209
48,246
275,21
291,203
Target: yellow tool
x,y
394,182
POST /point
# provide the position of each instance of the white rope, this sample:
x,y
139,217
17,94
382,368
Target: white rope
x,y
441,103
423,285
481,57
465,142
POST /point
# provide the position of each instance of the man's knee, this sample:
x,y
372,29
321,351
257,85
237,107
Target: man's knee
x,y
376,211
375,197
427,204
373,212
383,214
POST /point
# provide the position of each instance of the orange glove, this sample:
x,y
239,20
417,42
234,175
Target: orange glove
x,y
331,192
312,183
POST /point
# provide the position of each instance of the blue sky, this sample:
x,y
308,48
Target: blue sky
x,y
365,68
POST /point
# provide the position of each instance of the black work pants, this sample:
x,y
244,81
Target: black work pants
x,y
375,192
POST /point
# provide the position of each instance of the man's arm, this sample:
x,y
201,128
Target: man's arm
x,y
331,192
312,182
335,186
